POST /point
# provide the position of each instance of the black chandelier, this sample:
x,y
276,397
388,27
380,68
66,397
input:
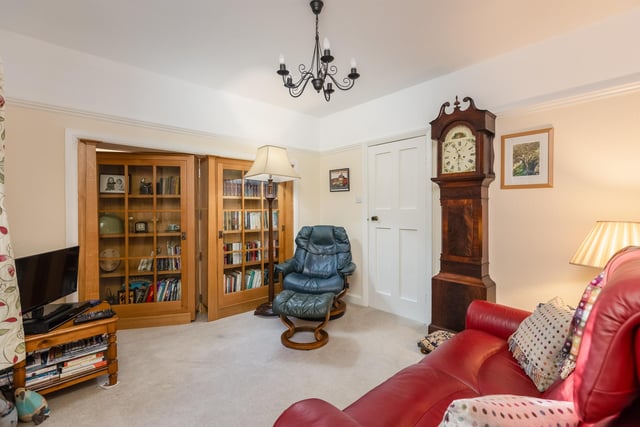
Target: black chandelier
x,y
320,72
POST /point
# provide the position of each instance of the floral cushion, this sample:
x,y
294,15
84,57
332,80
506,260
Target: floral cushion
x,y
509,410
572,343
537,343
433,340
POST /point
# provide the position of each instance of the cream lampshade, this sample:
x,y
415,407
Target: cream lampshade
x,y
272,165
604,240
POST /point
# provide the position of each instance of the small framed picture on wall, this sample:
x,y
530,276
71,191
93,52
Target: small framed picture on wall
x,y
339,179
527,159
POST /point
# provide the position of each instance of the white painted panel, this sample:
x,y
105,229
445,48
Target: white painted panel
x,y
411,283
386,271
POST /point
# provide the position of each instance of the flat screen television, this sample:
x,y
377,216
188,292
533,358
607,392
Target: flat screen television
x,y
44,278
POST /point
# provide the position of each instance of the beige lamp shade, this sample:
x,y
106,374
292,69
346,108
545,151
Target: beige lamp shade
x,y
271,163
604,240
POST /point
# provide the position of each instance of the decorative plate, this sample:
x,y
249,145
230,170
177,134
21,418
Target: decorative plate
x,y
110,260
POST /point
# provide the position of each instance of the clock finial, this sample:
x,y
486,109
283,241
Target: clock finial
x,y
457,103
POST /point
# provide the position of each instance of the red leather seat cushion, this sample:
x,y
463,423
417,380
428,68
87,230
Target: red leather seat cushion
x,y
471,364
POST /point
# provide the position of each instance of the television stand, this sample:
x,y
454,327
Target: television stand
x,y
51,316
68,333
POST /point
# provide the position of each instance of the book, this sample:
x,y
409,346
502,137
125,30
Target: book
x,y
83,365
83,359
83,369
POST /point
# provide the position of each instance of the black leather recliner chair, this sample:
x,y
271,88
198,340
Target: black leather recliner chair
x,y
321,264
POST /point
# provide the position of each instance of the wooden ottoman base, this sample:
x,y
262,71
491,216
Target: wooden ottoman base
x,y
303,306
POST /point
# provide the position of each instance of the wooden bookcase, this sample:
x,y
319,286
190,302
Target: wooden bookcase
x,y
236,246
138,236
69,342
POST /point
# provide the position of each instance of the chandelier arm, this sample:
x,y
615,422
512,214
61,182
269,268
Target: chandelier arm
x,y
304,75
297,90
347,83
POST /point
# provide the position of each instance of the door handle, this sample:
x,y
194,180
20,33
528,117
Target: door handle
x,y
374,218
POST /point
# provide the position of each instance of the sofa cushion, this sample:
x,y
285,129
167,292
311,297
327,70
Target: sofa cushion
x,y
538,341
464,366
509,410
574,339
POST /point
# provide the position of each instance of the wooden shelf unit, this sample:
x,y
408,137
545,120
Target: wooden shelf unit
x,y
236,245
139,237
68,333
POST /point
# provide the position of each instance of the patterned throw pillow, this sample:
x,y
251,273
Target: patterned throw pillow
x,y
509,411
538,341
433,340
574,339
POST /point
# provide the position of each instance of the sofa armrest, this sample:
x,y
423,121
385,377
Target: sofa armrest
x,y
314,413
495,319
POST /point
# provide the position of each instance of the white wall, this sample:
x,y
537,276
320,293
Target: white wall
x,y
595,57
39,72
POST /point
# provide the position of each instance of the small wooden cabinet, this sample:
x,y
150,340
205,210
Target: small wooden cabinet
x,y
82,340
144,228
236,245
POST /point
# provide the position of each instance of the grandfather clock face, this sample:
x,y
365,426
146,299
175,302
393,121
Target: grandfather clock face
x,y
458,151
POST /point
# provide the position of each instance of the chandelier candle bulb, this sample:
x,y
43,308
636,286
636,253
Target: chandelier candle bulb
x,y
353,64
325,44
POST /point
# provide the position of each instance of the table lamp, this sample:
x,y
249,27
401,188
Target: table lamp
x,y
604,240
271,165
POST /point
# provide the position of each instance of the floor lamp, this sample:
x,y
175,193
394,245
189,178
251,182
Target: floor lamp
x,y
271,165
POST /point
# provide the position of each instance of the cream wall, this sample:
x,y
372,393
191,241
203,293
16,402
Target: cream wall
x,y
345,208
36,172
533,233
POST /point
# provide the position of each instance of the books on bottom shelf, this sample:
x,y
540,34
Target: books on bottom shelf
x,y
232,281
253,279
169,290
39,374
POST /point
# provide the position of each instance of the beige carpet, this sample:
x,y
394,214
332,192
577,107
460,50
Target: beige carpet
x,y
234,371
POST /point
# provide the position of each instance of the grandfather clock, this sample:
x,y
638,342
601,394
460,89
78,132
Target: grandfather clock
x,y
464,172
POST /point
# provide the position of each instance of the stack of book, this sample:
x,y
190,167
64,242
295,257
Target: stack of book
x,y
82,364
58,362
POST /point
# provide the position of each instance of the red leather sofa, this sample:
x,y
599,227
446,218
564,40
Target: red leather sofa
x,y
604,387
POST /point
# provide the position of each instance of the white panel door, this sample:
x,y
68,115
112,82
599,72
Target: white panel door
x,y
399,238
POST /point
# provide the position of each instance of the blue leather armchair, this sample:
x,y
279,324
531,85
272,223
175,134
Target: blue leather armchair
x,y
321,263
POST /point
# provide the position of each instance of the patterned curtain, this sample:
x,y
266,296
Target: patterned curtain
x,y
12,348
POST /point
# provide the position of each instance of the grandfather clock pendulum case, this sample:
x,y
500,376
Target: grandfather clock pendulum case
x,y
465,169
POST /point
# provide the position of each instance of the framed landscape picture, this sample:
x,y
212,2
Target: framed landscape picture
x,y
527,159
339,179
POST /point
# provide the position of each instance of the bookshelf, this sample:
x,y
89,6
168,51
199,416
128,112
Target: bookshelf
x,y
68,355
237,238
144,240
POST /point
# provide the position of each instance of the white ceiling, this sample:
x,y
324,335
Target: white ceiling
x,y
234,45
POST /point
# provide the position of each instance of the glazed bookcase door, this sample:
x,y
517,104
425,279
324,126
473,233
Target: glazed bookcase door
x,y
143,237
241,238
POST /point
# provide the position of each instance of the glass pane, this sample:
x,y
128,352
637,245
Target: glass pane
x,y
168,180
141,180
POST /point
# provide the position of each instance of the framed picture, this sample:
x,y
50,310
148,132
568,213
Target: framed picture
x,y
527,159
339,179
112,183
